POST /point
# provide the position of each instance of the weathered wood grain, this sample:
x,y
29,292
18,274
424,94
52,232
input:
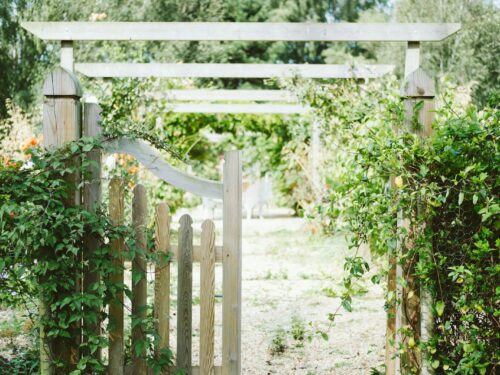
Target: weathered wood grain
x,y
139,278
236,108
207,298
152,160
249,31
116,316
185,294
227,95
208,70
162,277
91,197
61,124
231,288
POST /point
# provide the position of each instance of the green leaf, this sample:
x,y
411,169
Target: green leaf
x,y
440,308
460,198
347,305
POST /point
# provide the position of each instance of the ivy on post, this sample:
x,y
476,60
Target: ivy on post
x,y
414,321
61,124
91,199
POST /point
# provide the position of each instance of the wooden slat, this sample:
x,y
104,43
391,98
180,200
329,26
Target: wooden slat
x,y
145,70
185,294
139,287
227,95
67,60
92,193
231,288
412,57
152,160
197,253
236,108
195,370
250,31
207,298
162,277
116,209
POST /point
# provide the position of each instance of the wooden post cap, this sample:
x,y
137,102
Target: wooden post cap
x,y
418,85
61,82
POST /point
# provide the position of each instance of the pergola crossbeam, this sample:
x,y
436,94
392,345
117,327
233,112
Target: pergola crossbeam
x,y
145,70
213,95
242,31
237,108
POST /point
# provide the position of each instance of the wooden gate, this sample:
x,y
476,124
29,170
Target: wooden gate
x,y
184,253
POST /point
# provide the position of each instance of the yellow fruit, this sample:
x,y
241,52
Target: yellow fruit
x,y
398,181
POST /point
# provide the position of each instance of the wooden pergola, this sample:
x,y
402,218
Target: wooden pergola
x,y
420,88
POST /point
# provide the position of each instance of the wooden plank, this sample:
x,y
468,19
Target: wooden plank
x,y
195,370
62,124
242,31
145,70
226,95
162,277
412,57
197,253
236,108
416,88
116,342
185,294
67,60
152,160
207,298
92,192
139,278
231,288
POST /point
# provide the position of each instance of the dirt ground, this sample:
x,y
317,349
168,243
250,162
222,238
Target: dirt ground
x,y
290,280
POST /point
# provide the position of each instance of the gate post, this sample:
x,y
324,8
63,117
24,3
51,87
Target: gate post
x,y
231,288
91,199
414,308
61,124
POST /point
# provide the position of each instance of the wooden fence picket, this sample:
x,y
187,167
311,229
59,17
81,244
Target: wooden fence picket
x,y
116,354
207,297
139,280
185,294
162,277
231,279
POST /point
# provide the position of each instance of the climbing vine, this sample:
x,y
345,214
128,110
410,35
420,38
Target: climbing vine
x,y
446,186
41,252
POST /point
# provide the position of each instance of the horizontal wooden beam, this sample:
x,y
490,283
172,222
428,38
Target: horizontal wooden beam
x,y
226,95
242,31
236,108
195,370
196,253
117,70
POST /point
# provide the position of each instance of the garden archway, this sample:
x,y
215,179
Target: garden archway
x,y
417,88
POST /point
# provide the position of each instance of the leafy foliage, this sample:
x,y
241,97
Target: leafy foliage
x,y
447,188
41,248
